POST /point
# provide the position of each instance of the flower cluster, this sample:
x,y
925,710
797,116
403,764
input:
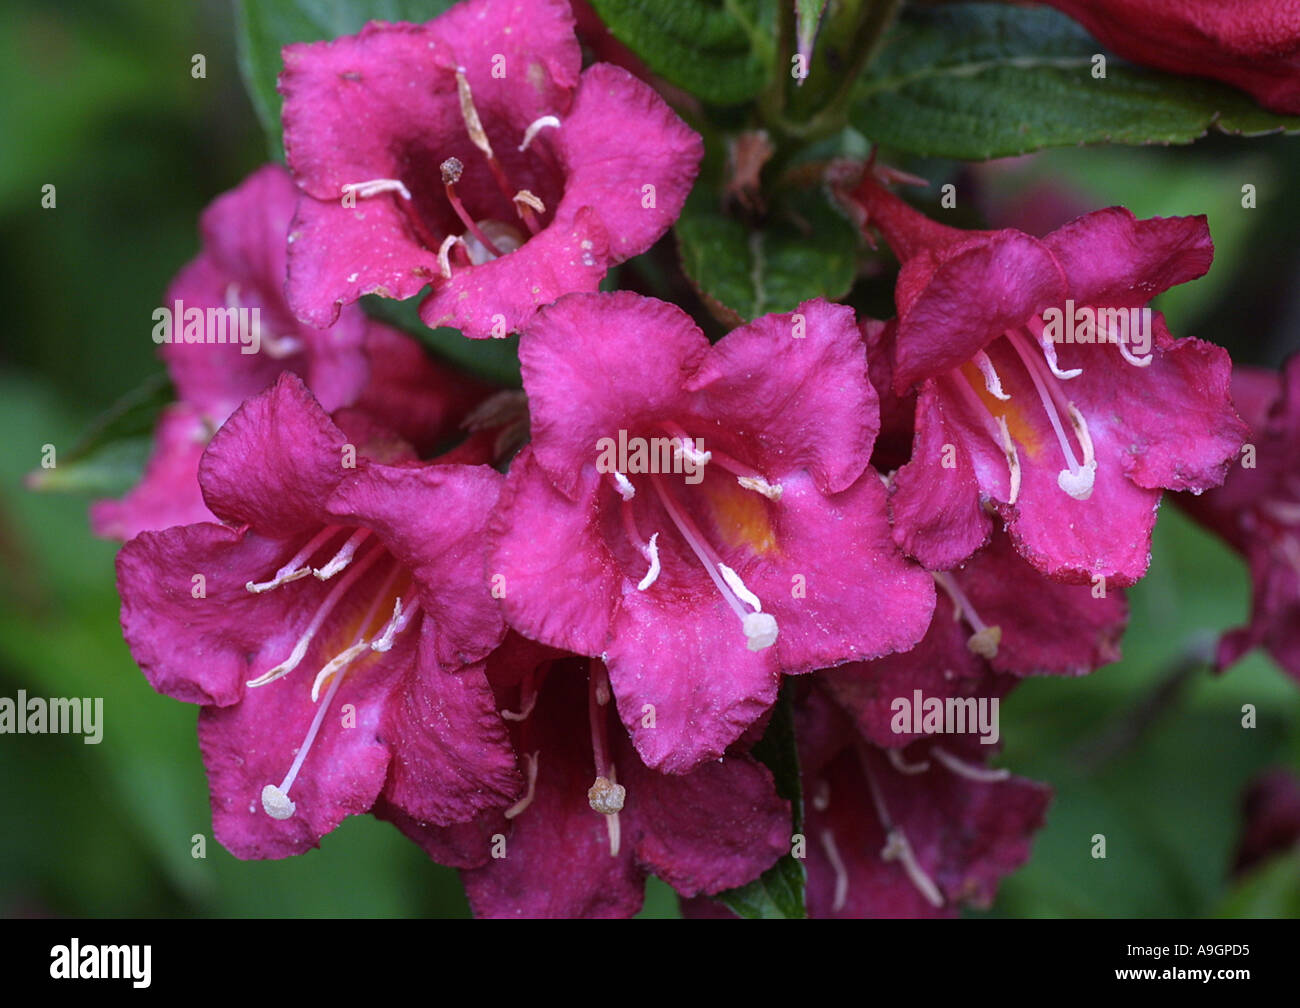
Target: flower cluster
x,y
541,632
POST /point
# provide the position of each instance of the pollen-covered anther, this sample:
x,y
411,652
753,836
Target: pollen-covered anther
x,y
685,447
606,797
276,803
1012,457
375,187
985,642
535,127
991,380
530,760
624,485
525,198
772,491
452,169
344,556
473,124
760,630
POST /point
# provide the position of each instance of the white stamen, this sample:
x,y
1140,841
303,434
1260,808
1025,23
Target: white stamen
x,y
276,803
651,553
1075,480
772,491
991,380
897,848
625,488
399,621
821,795
1128,354
969,770
529,702
760,630
606,796
738,586
535,127
1013,459
376,186
322,614
280,347
295,568
525,197
444,253
473,125
531,760
902,766
336,664
275,800
1049,351
896,845
837,866
685,446
344,556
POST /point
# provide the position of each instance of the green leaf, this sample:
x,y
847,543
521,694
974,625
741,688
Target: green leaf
x,y
496,360
264,27
981,80
110,456
804,249
719,50
779,891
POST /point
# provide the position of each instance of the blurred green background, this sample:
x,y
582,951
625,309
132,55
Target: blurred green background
x,y
97,99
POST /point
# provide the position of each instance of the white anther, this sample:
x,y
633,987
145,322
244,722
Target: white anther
x,y
535,127
991,380
374,187
651,553
276,802
772,491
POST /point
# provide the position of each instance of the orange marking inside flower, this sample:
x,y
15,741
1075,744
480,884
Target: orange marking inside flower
x,y
739,515
1022,431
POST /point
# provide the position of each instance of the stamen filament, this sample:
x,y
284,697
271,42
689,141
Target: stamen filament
x,y
344,556
297,567
375,187
1076,480
322,614
985,639
902,766
275,800
535,127
451,172
837,865
897,847
518,807
969,770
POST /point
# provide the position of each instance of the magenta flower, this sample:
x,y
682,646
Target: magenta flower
x,y
469,155
702,517
1257,512
242,267
360,584
997,620
915,832
1069,432
592,806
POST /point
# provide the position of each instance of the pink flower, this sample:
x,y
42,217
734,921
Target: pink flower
x,y
1251,44
915,832
997,620
242,266
1257,511
332,630
470,156
701,517
592,806
1069,439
